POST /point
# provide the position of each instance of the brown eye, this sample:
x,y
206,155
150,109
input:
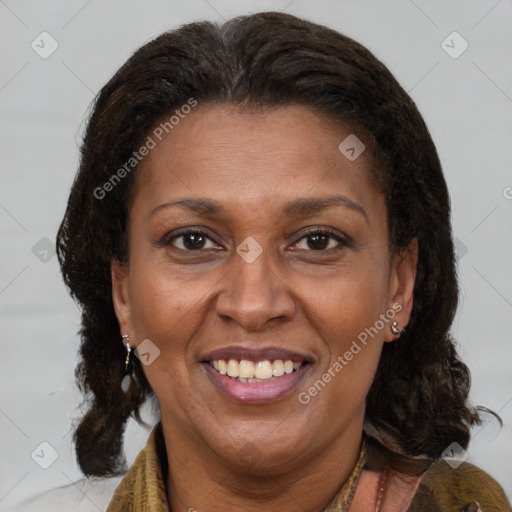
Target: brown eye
x,y
320,240
192,240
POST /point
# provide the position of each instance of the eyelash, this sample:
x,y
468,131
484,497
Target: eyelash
x,y
166,241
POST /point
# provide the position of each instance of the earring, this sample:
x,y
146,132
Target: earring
x,y
128,351
396,330
127,379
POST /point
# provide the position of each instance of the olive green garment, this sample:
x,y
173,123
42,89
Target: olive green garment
x,y
442,488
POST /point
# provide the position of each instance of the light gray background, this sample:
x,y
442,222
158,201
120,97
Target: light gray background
x,y
467,103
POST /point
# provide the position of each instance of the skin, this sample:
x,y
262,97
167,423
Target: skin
x,y
297,294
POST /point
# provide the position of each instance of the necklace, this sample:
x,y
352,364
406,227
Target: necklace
x,y
383,482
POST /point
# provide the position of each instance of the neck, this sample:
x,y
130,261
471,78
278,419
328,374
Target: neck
x,y
198,479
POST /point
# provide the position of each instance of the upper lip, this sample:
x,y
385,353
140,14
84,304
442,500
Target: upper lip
x,y
239,352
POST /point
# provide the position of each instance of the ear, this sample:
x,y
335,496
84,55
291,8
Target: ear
x,y
121,296
401,285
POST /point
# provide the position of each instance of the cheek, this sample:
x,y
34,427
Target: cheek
x,y
349,304
353,334
164,301
164,311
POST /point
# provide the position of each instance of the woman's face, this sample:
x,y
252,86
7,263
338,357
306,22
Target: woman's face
x,y
259,288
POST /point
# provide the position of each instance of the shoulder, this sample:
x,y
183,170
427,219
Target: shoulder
x,y
85,495
449,489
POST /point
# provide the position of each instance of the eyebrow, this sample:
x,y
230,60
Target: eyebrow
x,y
299,207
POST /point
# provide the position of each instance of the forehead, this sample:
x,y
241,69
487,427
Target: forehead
x,y
250,159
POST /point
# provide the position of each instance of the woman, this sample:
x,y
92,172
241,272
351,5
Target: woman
x,y
260,211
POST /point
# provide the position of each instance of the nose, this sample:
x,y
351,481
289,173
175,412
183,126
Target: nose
x,y
253,293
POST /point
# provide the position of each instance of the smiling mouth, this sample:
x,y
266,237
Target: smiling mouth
x,y
255,371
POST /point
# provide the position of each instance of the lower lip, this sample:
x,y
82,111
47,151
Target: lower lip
x,y
256,392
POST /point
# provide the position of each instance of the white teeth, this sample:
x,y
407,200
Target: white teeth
x,y
249,371
278,368
232,370
288,366
245,369
223,366
263,370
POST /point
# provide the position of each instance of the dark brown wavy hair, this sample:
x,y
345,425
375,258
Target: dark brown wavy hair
x,y
420,393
